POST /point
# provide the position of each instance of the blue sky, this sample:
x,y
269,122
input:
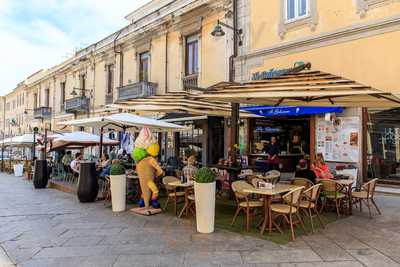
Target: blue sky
x,y
38,34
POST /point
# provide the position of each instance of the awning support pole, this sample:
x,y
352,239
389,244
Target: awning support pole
x,y
101,143
234,131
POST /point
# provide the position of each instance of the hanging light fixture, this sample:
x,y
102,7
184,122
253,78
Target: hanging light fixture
x,y
218,31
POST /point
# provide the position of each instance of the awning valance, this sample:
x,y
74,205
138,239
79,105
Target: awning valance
x,y
306,88
268,111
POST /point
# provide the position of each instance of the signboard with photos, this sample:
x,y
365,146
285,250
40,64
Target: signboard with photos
x,y
338,139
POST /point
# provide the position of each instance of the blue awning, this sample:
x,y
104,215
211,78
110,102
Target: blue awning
x,y
287,111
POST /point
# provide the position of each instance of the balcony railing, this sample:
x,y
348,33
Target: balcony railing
x,y
137,90
78,104
190,82
109,99
42,113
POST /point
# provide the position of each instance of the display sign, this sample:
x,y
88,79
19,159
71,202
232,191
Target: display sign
x,y
339,139
272,73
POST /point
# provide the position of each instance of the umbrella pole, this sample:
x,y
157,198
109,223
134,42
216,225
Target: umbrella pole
x,y
45,144
101,143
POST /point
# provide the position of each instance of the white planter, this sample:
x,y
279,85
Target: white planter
x,y
18,170
205,207
118,192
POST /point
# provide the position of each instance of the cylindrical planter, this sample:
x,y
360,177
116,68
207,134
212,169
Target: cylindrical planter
x,y
205,207
88,186
118,192
40,176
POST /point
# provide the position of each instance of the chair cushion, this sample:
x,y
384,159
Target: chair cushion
x,y
282,208
178,194
362,194
252,204
305,204
191,197
332,194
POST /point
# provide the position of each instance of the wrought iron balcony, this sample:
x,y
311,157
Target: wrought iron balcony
x,y
42,113
137,90
79,104
190,82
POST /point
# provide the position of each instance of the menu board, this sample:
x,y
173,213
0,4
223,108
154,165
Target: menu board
x,y
339,140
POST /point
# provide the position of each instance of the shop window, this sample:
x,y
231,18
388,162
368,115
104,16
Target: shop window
x,y
297,13
192,55
384,145
144,66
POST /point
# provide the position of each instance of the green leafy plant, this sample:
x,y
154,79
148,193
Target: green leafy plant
x,y
117,169
204,175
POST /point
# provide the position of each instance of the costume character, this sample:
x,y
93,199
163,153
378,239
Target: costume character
x,y
147,167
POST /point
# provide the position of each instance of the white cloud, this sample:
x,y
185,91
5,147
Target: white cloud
x,y
38,34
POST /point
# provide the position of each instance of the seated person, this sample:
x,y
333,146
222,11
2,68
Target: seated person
x,y
320,168
190,169
66,161
302,171
105,161
75,164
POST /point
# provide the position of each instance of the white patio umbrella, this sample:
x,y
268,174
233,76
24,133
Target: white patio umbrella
x,y
79,139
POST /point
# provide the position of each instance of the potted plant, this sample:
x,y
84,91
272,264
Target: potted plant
x,y
204,190
118,186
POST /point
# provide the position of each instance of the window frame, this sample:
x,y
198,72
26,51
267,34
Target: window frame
x,y
110,79
296,11
192,44
144,57
62,94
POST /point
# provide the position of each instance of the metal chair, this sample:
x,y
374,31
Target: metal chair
x,y
367,195
309,203
171,192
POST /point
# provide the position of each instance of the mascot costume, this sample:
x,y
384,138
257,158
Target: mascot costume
x,y
147,168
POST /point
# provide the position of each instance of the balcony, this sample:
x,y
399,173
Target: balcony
x,y
42,113
109,99
190,82
136,90
79,104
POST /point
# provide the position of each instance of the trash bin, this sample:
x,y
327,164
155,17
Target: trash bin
x,y
118,192
18,170
88,186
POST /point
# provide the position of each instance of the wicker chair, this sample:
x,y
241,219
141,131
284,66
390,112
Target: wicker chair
x,y
332,192
302,182
272,176
172,193
290,208
244,203
367,195
309,203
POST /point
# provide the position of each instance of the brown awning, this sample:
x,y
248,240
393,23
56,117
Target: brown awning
x,y
178,103
305,88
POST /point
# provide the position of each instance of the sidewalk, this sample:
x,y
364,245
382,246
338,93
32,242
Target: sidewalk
x,y
5,261
43,228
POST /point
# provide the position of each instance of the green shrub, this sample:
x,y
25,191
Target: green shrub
x,y
117,169
205,175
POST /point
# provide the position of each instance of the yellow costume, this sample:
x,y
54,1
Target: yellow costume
x,y
147,169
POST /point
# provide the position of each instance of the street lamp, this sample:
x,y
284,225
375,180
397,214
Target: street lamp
x,y
219,31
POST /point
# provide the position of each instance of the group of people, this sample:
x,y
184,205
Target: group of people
x,y
318,170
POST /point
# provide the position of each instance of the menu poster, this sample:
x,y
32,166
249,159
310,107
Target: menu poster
x,y
339,140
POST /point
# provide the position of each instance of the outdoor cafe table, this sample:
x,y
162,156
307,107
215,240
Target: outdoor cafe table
x,y
187,187
267,196
348,184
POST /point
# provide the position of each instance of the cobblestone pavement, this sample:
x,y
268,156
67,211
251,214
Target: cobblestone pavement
x,y
50,228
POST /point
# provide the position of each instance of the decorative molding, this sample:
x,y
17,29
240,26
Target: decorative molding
x,y
311,20
364,5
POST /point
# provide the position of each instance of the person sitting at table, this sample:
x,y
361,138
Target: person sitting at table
x,y
190,169
272,151
320,168
66,161
75,164
302,171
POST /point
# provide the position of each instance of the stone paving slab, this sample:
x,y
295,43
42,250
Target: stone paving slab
x,y
40,228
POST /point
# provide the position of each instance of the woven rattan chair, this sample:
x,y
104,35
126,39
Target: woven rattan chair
x,y
176,196
367,195
309,203
302,182
244,203
255,181
289,209
332,192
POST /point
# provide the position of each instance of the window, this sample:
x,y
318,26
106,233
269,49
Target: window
x,y
110,79
34,100
47,97
82,83
296,9
192,55
144,67
62,96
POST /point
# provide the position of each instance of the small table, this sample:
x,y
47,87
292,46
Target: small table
x,y
187,187
267,196
135,178
349,184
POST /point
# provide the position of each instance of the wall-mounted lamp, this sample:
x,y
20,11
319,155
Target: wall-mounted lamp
x,y
219,31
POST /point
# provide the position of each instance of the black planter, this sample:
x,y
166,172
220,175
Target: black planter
x,y
88,186
40,176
